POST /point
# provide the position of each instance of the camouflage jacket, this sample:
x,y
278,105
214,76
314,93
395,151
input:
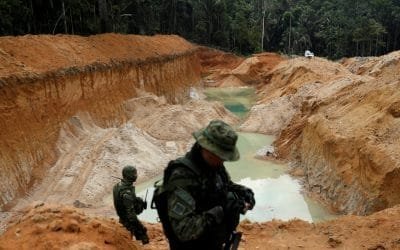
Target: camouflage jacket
x,y
126,203
193,191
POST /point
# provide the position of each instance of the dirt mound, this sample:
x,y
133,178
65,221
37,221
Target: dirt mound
x,y
230,81
239,73
341,130
251,70
177,122
213,60
29,54
385,67
289,75
58,227
378,231
291,84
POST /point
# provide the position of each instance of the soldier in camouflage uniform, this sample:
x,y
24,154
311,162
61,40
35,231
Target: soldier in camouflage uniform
x,y
204,205
128,206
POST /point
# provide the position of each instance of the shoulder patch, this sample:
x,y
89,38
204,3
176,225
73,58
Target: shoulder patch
x,y
180,204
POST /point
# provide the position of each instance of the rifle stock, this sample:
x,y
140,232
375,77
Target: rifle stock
x,y
234,241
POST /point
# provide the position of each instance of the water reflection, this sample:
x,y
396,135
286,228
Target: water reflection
x,y
278,195
277,199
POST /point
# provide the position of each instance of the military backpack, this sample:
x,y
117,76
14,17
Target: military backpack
x,y
161,189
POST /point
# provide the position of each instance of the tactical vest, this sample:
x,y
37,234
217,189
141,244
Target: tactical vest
x,y
118,190
160,195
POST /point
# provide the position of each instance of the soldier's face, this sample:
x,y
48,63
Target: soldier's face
x,y
213,160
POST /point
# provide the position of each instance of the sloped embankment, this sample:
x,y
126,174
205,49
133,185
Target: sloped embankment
x,y
60,227
340,128
45,80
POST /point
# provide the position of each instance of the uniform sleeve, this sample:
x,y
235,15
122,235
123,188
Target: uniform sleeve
x,y
128,198
185,221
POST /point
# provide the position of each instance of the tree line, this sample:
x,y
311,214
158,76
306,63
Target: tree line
x,y
331,28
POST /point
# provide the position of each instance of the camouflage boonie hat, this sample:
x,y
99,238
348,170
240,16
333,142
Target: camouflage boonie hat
x,y
220,139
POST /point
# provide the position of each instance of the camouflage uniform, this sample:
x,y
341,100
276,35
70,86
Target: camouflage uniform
x,y
128,206
204,205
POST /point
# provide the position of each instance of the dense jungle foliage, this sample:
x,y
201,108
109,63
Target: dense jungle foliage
x,y
332,28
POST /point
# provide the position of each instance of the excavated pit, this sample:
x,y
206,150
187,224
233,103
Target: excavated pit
x,y
69,104
45,80
340,130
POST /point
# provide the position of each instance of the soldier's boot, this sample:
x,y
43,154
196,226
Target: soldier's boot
x,y
142,236
145,239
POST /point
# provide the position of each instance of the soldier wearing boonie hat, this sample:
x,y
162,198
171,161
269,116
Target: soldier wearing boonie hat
x,y
220,139
202,204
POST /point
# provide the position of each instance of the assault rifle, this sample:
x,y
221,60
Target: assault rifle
x,y
233,242
145,200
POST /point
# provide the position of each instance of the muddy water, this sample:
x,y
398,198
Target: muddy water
x,y
278,195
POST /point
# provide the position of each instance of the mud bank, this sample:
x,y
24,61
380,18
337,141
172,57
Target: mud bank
x,y
45,80
339,126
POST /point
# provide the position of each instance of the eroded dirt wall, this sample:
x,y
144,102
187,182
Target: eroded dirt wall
x,y
344,136
44,80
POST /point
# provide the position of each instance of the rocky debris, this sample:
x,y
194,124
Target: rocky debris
x,y
79,204
266,153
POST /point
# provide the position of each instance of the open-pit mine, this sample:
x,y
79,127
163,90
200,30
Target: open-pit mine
x,y
320,140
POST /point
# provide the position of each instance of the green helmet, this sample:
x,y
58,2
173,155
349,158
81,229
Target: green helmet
x,y
219,138
129,173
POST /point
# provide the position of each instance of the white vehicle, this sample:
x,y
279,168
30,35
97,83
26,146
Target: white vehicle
x,y
308,54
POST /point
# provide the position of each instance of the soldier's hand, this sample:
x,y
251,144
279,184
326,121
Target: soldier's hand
x,y
234,207
216,213
247,206
249,199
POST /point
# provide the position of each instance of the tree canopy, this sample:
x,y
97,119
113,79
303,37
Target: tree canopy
x,y
332,28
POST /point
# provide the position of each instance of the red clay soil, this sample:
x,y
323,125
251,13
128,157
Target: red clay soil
x,y
48,79
44,53
212,59
378,231
56,227
228,70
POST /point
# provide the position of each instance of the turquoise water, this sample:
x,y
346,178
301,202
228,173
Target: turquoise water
x,y
237,100
278,195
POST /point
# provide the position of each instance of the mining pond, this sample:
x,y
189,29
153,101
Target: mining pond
x,y
277,194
